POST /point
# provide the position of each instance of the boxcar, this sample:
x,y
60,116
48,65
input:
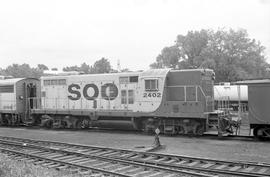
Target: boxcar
x,y
258,103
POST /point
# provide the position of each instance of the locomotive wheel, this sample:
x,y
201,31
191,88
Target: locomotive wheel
x,y
261,132
79,124
148,126
199,130
49,124
257,132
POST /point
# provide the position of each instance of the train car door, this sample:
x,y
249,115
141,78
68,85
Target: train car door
x,y
31,93
29,100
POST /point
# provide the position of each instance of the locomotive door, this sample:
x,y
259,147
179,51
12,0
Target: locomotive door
x,y
30,100
31,95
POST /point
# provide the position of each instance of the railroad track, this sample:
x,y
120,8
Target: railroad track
x,y
84,161
91,159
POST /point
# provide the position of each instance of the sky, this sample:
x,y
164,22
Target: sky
x,y
61,33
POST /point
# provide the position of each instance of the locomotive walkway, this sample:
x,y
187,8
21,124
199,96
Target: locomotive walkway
x,y
118,162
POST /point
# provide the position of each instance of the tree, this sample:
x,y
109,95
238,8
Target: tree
x,y
169,57
21,71
71,68
102,66
231,54
85,68
42,67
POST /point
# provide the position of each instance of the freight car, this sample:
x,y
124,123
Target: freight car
x,y
14,99
235,95
259,112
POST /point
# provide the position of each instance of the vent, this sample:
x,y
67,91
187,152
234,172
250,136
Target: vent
x,y
6,88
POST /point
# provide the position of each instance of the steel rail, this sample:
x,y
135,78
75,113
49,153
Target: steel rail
x,y
140,160
160,164
65,163
140,152
123,161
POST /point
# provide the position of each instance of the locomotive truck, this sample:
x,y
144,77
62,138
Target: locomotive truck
x,y
175,101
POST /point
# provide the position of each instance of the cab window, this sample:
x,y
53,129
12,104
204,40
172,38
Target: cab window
x,y
151,85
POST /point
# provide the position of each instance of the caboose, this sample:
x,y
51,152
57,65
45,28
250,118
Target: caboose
x,y
15,102
175,101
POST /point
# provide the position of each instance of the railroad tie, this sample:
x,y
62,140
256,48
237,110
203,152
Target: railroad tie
x,y
112,166
101,164
39,162
149,158
249,169
181,162
127,155
235,168
62,167
79,160
87,161
207,165
65,157
93,151
135,156
112,154
143,173
193,163
56,155
82,150
134,170
155,174
122,169
54,165
160,159
103,153
262,170
170,161
169,175
221,166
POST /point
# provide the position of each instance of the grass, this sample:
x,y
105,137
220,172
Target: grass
x,y
13,168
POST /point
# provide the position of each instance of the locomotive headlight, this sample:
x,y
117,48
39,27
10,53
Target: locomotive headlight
x,y
21,97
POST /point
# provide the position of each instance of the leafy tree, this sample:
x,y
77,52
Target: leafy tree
x,y
102,66
231,54
72,68
85,68
169,57
42,67
20,71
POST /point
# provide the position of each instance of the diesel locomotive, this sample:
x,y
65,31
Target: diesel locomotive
x,y
175,101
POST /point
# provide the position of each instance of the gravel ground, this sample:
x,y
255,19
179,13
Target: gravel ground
x,y
188,146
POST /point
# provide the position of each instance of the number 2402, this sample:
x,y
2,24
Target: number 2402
x,y
145,95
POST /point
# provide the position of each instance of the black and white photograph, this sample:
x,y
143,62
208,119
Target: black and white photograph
x,y
135,88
